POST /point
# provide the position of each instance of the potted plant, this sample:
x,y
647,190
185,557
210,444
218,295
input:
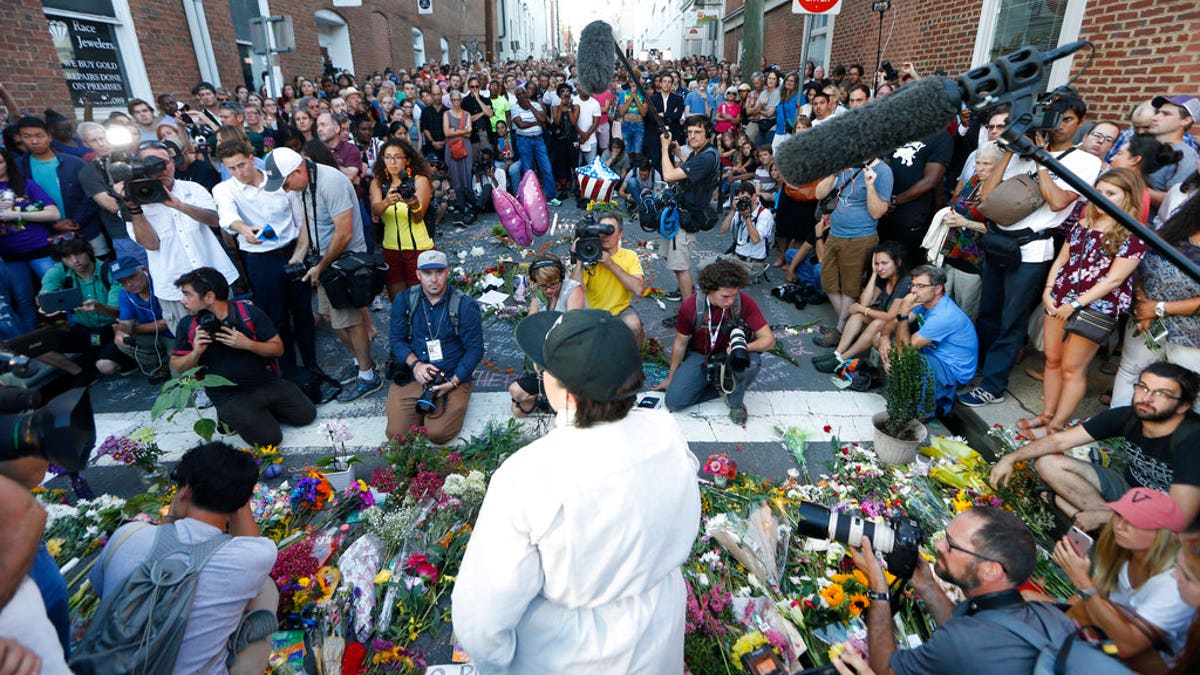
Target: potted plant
x,y
909,397
338,467
722,468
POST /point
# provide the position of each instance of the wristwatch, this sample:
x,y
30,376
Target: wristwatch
x,y
1160,309
902,317
1085,593
882,596
1075,304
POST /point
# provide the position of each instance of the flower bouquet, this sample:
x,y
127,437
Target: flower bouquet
x,y
721,468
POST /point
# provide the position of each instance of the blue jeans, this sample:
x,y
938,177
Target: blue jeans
x,y
1007,298
10,324
808,271
287,303
633,133
535,157
690,385
21,280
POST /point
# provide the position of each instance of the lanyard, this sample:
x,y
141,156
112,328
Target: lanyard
x,y
428,307
713,334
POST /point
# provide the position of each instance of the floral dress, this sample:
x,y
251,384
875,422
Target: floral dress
x,y
1163,280
1088,263
961,249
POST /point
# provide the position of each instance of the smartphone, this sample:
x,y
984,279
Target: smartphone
x,y
60,301
1080,541
650,402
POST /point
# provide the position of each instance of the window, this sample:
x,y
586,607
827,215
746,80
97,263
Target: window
x,y
253,65
98,50
418,42
445,52
1007,25
819,29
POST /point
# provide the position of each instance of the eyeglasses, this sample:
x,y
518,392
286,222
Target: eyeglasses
x,y
1095,135
995,127
1160,394
393,158
955,547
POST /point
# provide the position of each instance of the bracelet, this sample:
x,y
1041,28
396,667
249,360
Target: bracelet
x,y
1085,593
881,596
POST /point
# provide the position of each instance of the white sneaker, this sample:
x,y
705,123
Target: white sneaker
x,y
377,304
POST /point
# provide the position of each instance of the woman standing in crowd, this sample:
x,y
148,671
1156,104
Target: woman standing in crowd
x,y
768,101
302,126
1128,587
550,288
25,220
753,105
961,255
273,116
405,234
1166,324
787,110
1091,276
459,155
875,312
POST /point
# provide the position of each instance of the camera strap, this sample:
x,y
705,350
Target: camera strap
x,y
314,240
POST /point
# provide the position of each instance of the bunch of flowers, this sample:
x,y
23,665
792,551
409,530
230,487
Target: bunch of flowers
x,y
312,491
383,479
470,488
293,574
390,658
392,526
75,531
418,565
359,495
137,449
265,455
721,465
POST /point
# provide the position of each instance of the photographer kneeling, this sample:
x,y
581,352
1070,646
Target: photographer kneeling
x,y
753,229
437,332
713,354
236,340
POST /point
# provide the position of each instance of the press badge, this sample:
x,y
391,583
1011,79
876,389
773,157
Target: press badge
x,y
434,347
95,339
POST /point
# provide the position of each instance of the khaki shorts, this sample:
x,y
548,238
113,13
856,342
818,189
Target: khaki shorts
x,y
844,264
338,318
678,252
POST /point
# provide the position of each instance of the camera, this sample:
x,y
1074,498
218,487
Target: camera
x,y
899,539
739,356
793,293
428,400
889,71
1045,118
588,249
208,322
296,271
407,188
140,176
742,204
63,431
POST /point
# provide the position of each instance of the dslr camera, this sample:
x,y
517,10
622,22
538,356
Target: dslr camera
x,y
588,249
427,402
407,188
739,356
742,204
208,322
140,176
296,271
899,539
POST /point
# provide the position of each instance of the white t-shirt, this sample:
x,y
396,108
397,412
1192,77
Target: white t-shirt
x,y
1083,164
589,112
233,576
258,208
764,222
24,620
574,563
1158,602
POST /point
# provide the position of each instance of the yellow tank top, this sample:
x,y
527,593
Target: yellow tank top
x,y
400,233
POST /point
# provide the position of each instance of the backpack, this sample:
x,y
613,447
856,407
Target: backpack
x,y
455,300
139,627
244,314
701,217
1067,654
702,311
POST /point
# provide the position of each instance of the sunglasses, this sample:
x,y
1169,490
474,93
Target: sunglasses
x,y
60,238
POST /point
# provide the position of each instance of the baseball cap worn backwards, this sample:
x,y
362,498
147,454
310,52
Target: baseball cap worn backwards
x,y
590,351
279,165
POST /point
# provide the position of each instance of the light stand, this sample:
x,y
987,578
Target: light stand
x,y
1014,80
881,6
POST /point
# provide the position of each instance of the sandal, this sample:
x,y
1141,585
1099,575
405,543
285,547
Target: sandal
x,y
1027,424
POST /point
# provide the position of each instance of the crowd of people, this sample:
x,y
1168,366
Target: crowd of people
x,y
173,236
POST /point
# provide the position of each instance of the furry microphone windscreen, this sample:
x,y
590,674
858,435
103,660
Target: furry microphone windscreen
x,y
914,112
597,59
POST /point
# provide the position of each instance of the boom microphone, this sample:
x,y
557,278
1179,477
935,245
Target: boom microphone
x,y
596,62
913,112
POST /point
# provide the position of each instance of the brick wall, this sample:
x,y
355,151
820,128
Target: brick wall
x,y
932,34
783,34
29,65
167,48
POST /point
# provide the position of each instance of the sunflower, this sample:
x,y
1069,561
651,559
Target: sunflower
x,y
861,578
834,595
858,603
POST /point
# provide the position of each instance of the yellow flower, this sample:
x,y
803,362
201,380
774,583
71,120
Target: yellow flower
x,y
840,578
54,546
858,603
834,595
383,577
891,578
861,578
746,644
304,582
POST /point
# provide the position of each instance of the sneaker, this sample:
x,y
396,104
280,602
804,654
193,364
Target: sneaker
x,y
739,415
979,397
360,388
348,374
377,304
554,202
829,338
202,400
673,296
826,363
669,322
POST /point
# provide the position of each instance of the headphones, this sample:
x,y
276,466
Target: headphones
x,y
542,262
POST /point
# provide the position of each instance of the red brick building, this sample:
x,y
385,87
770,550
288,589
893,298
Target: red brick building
x,y
1142,46
58,50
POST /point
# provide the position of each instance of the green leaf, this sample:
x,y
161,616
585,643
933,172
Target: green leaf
x,y
205,428
216,381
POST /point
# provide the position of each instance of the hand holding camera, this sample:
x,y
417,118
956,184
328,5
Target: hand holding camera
x,y
742,204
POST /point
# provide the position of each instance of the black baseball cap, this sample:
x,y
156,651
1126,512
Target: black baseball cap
x,y
590,351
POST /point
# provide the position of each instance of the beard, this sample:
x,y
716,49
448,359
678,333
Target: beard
x,y
1154,415
967,581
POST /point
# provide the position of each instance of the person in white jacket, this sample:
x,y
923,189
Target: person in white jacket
x,y
574,563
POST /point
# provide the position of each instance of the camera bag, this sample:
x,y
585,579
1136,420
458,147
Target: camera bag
x,y
828,204
354,279
1002,248
1066,654
1014,198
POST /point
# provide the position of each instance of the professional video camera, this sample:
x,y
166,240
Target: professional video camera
x,y
898,539
428,401
139,174
62,432
588,249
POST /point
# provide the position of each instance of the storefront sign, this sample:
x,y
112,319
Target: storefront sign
x,y
91,61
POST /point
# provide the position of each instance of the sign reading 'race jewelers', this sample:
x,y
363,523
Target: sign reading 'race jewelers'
x,y
91,62
816,6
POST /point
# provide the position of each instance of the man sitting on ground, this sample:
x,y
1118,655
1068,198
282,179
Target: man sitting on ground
x,y
215,482
702,336
140,321
1160,434
237,340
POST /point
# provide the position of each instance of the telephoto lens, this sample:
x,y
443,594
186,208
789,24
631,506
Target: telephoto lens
x,y
739,355
899,539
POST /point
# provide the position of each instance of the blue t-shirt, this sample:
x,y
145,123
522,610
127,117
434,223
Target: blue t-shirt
x,y
851,219
785,114
954,351
132,308
45,174
696,102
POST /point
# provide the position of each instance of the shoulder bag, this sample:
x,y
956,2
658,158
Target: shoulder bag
x,y
458,149
1015,198
828,204
1085,321
355,278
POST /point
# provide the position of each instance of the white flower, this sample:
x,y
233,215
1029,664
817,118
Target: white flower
x,y
477,251
702,578
793,473
649,246
835,553
462,256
